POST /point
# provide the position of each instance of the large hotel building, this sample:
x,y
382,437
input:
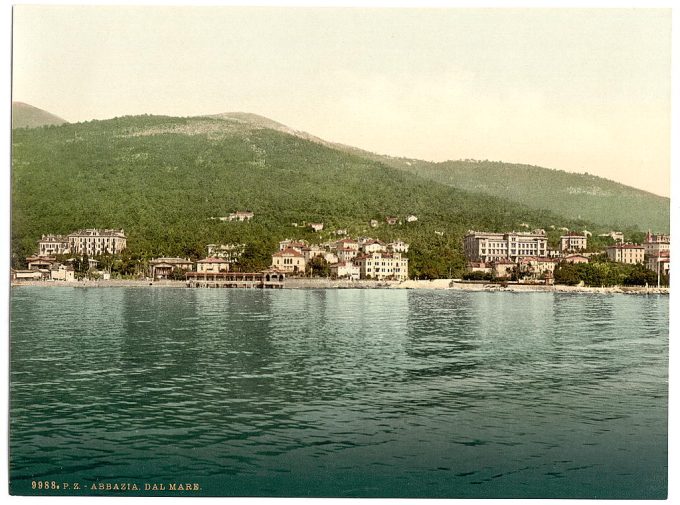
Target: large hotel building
x,y
92,242
481,246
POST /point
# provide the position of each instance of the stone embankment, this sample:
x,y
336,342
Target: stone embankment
x,y
118,283
306,283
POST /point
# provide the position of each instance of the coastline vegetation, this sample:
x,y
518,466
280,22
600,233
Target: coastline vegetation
x,y
167,181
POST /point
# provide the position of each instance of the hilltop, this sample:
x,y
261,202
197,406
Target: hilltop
x,y
27,116
165,180
576,196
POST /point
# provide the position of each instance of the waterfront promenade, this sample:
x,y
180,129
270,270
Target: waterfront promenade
x,y
322,283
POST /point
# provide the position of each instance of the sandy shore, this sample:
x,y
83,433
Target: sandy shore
x,y
302,283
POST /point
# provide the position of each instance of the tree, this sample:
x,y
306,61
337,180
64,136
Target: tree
x,y
640,276
178,274
318,267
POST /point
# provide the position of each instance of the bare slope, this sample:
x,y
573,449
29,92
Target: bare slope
x,y
27,116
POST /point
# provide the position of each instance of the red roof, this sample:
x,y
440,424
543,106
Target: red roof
x,y
212,260
288,252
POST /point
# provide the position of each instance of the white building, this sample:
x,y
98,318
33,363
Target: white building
x,y
616,235
162,268
289,260
212,265
312,251
572,242
229,252
371,246
63,273
52,244
94,242
482,246
298,245
656,243
346,270
330,257
241,215
660,263
346,243
346,254
626,253
91,241
316,227
380,265
536,268
398,246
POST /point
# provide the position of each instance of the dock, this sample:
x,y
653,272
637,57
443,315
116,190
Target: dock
x,y
258,280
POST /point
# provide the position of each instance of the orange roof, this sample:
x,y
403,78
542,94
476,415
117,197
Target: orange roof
x,y
288,252
212,260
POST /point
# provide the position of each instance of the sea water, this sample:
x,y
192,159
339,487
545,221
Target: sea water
x,y
347,393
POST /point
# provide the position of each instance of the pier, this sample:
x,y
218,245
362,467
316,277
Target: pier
x,y
261,280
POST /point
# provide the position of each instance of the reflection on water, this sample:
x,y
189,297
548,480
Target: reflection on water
x,y
342,392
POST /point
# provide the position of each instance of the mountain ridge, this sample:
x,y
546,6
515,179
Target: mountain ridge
x,y
619,205
27,116
167,180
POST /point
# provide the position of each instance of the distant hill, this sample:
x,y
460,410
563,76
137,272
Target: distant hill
x,y
577,196
27,116
572,195
165,181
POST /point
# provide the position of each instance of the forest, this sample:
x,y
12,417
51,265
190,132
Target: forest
x,y
166,181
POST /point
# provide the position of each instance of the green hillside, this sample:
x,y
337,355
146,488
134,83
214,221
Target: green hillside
x,y
162,179
27,116
577,196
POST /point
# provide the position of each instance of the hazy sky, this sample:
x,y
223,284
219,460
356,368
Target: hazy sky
x,y
578,90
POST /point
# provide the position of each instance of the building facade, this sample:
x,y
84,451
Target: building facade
x,y
572,242
656,243
90,241
536,268
212,265
229,252
162,268
485,247
289,260
398,246
346,270
660,263
380,265
626,253
94,242
52,244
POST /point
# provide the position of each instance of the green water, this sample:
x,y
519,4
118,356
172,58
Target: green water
x,y
370,393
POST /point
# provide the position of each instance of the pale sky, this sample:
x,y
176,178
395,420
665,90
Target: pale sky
x,y
577,90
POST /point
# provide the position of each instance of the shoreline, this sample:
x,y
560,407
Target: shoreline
x,y
305,283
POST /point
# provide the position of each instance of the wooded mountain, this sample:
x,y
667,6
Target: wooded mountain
x,y
167,181
27,116
578,196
